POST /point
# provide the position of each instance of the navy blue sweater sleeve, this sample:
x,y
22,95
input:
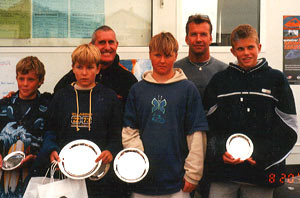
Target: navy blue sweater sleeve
x,y
130,116
115,127
50,135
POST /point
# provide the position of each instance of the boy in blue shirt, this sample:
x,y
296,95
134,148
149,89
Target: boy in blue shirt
x,y
164,118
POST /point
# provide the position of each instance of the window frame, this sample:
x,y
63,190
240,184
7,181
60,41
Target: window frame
x,y
184,49
160,9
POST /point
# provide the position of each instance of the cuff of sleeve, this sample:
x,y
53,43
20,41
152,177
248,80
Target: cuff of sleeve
x,y
190,180
131,138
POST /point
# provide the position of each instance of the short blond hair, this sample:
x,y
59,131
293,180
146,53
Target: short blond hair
x,y
86,54
242,32
31,63
163,42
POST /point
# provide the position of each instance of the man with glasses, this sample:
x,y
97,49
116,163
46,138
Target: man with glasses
x,y
199,66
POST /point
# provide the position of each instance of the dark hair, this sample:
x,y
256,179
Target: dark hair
x,y
198,18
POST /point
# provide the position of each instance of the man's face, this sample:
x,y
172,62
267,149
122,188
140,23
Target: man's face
x,y
246,51
28,85
85,74
107,44
198,38
162,63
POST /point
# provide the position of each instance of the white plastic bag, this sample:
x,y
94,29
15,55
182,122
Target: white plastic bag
x,y
34,182
63,188
32,187
44,187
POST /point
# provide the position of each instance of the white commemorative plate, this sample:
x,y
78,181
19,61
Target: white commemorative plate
x,y
78,159
131,165
12,160
239,146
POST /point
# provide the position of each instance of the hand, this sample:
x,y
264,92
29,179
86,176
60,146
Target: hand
x,y
188,187
105,156
120,97
0,161
228,159
27,159
9,95
54,157
251,161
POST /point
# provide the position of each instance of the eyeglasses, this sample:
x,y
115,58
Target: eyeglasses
x,y
199,17
204,16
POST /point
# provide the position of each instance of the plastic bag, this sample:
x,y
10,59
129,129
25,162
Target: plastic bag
x,y
44,187
63,188
32,187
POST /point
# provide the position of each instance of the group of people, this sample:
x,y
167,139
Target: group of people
x,y
180,115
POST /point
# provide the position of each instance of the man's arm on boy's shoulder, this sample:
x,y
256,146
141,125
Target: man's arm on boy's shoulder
x,y
195,160
9,95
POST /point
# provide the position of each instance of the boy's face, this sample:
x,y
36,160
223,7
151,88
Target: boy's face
x,y
246,51
85,74
162,63
198,38
28,85
107,43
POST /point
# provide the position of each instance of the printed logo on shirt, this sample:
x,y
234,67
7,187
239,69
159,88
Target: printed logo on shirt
x,y
267,91
82,119
158,109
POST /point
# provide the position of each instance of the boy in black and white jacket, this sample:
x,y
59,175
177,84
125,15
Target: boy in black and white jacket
x,y
249,97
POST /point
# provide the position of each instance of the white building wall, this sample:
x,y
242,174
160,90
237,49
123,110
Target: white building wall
x,y
58,59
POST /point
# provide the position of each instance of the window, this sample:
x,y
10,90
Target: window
x,y
72,22
64,23
131,19
225,15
